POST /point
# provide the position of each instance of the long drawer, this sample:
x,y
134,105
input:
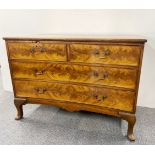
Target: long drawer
x,y
118,77
37,50
105,54
103,97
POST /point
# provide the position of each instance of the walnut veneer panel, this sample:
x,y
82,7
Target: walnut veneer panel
x,y
105,54
37,51
116,99
119,77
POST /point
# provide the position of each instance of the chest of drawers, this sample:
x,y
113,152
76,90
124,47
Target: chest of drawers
x,y
93,74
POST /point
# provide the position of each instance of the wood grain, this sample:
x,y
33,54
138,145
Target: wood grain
x,y
37,51
116,99
118,54
125,78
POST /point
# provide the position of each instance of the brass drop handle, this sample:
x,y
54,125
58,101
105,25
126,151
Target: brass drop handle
x,y
105,54
95,96
97,52
39,72
41,90
99,97
105,75
32,50
95,73
42,50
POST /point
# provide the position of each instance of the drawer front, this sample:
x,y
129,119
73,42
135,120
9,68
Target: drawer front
x,y
37,51
76,73
103,97
105,54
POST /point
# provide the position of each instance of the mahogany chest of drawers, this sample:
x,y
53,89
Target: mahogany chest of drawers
x,y
93,74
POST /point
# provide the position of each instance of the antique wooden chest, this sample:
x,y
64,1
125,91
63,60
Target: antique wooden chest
x,y
96,74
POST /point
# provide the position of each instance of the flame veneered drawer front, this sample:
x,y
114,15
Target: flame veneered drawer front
x,y
105,54
37,51
103,97
76,73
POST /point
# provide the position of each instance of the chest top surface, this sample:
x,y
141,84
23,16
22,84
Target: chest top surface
x,y
69,37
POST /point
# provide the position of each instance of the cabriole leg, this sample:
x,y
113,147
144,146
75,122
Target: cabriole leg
x,y
19,102
131,119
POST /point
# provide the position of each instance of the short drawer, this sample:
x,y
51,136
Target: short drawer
x,y
37,50
103,97
118,77
105,54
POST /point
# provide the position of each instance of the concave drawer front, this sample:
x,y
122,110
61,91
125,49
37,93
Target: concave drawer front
x,y
76,73
105,54
103,97
37,51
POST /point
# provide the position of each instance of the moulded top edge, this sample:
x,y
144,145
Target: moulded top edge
x,y
101,38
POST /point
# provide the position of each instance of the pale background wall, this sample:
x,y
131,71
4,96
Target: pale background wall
x,y
113,22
